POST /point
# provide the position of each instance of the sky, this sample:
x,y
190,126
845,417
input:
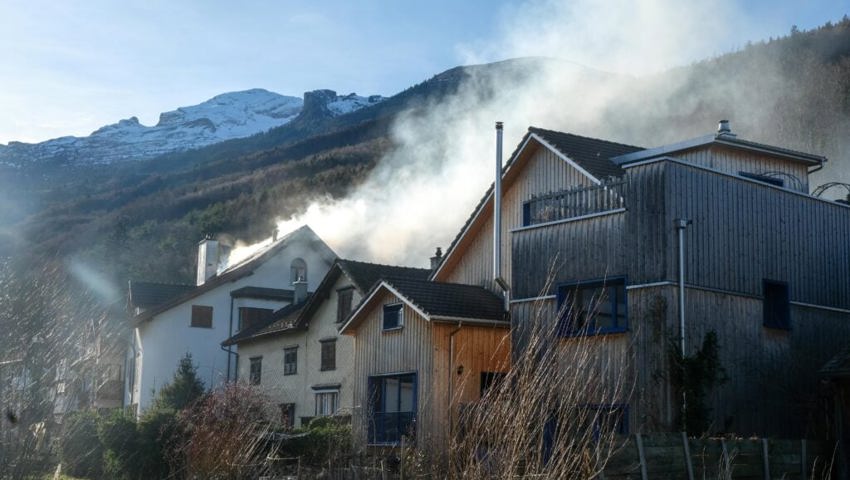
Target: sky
x,y
68,68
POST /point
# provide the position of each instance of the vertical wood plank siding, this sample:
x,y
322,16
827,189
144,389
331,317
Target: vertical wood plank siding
x,y
544,173
733,161
409,349
423,347
744,232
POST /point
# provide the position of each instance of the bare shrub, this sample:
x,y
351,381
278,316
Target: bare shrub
x,y
558,412
224,433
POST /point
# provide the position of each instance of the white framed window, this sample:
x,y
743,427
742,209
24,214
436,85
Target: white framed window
x,y
327,403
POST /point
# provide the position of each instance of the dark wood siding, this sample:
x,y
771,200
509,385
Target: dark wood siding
x,y
744,232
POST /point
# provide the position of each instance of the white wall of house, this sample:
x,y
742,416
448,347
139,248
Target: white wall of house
x,y
298,388
164,339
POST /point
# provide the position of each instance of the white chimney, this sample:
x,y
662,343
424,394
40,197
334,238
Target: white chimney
x,y
300,287
207,260
436,259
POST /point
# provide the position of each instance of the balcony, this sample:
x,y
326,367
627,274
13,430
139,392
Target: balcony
x,y
574,202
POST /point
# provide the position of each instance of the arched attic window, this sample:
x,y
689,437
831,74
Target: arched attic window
x,y
298,270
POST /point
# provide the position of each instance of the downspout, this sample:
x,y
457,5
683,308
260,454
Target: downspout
x,y
229,352
681,225
451,374
230,334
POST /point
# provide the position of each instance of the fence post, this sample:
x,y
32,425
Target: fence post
x,y
642,457
401,460
687,448
726,462
766,456
803,459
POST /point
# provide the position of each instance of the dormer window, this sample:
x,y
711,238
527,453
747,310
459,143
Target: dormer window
x,y
298,270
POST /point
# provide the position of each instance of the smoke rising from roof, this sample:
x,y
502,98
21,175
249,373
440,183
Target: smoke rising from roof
x,y
420,194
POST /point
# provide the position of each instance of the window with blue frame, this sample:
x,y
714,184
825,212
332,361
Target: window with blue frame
x,y
393,316
593,307
393,408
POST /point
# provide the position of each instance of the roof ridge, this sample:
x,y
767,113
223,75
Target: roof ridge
x,y
346,260
534,129
131,281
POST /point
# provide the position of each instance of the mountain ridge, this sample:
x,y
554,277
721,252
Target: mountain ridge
x,y
224,117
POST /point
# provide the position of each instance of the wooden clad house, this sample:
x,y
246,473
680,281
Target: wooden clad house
x,y
422,350
297,355
765,266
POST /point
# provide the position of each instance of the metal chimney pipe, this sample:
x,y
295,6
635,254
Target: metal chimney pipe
x,y
497,208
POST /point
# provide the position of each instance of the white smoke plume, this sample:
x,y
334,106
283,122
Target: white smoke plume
x,y
419,195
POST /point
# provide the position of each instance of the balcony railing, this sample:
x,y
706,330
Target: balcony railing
x,y
389,427
574,202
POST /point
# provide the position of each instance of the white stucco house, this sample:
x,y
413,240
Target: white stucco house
x,y
170,321
298,358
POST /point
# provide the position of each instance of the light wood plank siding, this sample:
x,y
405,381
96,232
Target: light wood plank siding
x,y
423,347
730,160
545,173
744,232
409,349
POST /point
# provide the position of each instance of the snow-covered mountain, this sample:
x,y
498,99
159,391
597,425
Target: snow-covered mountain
x,y
223,117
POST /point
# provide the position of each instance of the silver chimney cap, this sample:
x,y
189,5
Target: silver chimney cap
x,y
723,127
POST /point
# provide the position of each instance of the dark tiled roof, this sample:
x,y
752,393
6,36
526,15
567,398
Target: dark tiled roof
x,y
838,366
591,154
439,299
263,293
365,275
243,269
282,320
145,295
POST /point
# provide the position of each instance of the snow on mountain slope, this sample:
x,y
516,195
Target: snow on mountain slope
x,y
223,117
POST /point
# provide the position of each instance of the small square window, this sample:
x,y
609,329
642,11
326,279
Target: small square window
x,y
490,380
201,316
393,316
777,310
290,361
328,355
256,372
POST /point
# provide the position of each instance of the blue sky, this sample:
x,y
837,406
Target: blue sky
x,y
67,68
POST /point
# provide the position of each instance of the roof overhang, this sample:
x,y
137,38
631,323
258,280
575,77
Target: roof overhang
x,y
722,140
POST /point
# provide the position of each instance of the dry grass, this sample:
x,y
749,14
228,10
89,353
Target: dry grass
x,y
555,415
